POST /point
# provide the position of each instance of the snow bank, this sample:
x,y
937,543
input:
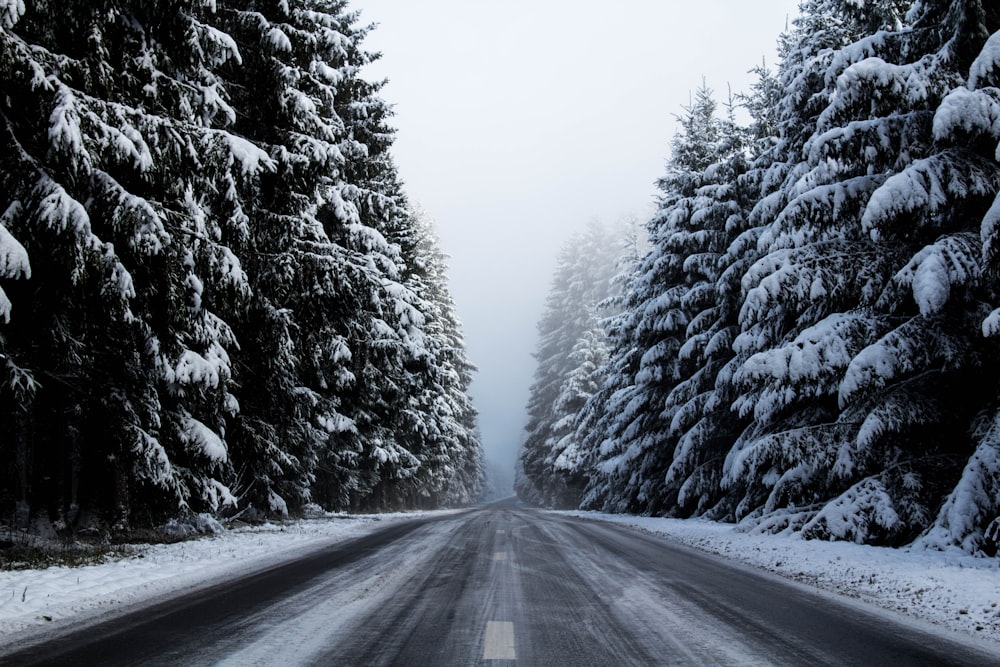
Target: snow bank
x,y
36,600
954,591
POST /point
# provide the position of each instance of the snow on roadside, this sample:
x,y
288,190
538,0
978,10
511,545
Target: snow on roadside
x,y
39,600
951,590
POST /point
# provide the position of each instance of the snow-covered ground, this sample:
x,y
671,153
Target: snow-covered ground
x,y
949,590
39,600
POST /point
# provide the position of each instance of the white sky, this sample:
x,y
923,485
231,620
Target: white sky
x,y
521,120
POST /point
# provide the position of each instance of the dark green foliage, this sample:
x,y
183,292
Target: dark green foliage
x,y
204,257
810,343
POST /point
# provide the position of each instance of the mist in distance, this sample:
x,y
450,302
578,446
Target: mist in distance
x,y
521,122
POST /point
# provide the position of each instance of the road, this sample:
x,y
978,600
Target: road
x,y
505,585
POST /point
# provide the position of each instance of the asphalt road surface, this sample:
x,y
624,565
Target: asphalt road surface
x,y
506,585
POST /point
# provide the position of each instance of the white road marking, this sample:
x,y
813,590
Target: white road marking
x,y
500,555
501,531
499,643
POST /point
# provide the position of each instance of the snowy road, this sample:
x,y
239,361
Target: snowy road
x,y
506,585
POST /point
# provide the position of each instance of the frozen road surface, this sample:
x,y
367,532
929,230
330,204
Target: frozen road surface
x,y
506,585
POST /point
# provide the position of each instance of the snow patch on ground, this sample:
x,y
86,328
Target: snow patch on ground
x,y
954,591
51,598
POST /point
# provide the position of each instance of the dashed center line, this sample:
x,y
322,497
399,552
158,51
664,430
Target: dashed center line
x,y
500,555
499,644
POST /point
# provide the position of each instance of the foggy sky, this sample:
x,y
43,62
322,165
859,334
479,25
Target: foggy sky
x,y
519,121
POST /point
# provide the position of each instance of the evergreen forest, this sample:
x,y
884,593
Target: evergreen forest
x,y
215,296
808,339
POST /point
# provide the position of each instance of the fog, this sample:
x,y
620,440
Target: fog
x,y
519,121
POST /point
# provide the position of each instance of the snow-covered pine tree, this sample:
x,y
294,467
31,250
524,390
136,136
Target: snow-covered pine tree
x,y
703,424
571,346
329,313
914,390
287,112
956,277
779,123
421,403
674,283
745,188
119,359
613,380
199,166
848,391
441,428
811,253
399,363
348,320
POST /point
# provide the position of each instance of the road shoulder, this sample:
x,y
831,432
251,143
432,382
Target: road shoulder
x,y
950,591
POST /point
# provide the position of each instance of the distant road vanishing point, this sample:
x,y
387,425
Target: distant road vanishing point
x,y
505,584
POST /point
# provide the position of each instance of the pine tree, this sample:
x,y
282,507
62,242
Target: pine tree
x,y
803,346
119,328
443,423
328,309
203,255
957,272
843,386
702,420
571,346
346,307
673,285
613,380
